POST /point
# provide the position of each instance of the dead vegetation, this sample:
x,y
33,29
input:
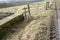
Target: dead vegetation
x,y
38,28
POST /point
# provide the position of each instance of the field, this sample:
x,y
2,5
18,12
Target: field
x,y
38,28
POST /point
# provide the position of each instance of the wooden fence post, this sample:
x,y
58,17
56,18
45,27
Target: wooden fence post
x,y
24,13
29,9
47,5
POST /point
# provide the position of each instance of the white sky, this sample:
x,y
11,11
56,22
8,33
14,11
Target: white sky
x,y
2,0
17,0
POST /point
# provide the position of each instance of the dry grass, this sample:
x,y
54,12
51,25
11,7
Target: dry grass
x,y
38,29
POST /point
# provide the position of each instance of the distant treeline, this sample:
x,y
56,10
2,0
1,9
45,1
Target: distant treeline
x,y
4,5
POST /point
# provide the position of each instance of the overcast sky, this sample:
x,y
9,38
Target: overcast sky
x,y
18,0
2,1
